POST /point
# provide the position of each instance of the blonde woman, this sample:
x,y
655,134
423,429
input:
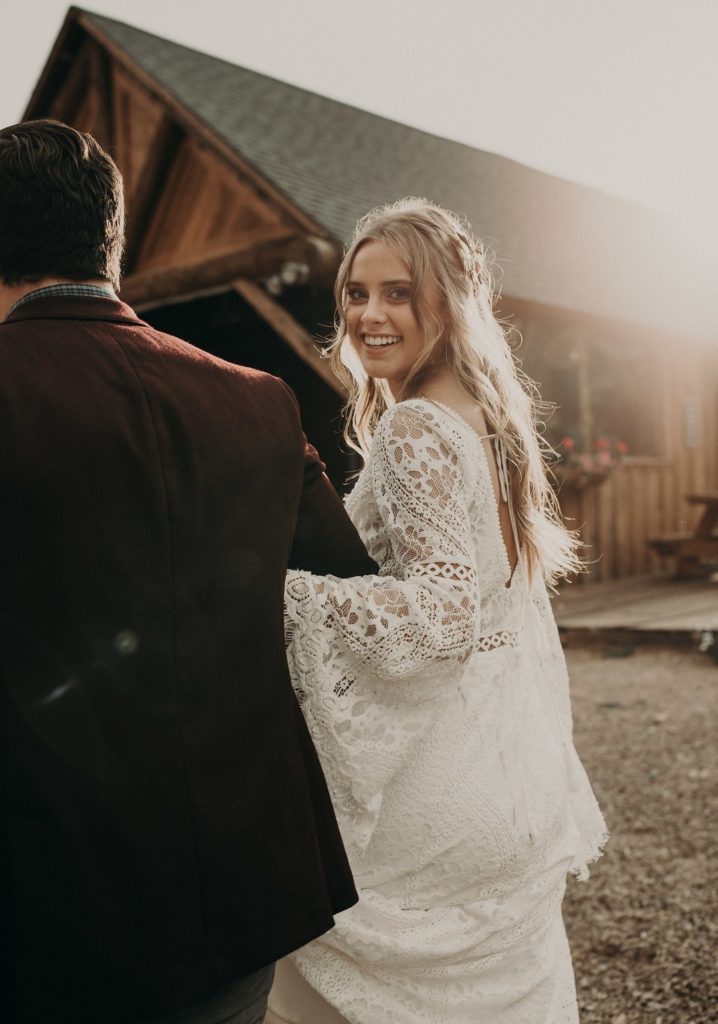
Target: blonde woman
x,y
436,693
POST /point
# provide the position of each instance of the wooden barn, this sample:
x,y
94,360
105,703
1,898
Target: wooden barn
x,y
242,191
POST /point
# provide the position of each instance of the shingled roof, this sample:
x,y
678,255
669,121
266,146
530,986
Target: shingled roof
x,y
557,243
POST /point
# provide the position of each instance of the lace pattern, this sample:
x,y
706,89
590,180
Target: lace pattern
x,y
427,612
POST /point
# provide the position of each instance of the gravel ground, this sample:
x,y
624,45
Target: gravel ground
x,y
644,928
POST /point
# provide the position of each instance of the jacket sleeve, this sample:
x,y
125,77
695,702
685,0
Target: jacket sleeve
x,y
325,539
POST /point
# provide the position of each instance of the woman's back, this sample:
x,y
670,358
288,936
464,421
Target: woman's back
x,y
422,424
459,404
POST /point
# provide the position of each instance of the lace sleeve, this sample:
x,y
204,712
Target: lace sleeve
x,y
425,613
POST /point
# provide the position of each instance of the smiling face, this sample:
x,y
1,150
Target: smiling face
x,y
381,322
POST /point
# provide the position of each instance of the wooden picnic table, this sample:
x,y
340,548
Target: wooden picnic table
x,y
691,549
709,520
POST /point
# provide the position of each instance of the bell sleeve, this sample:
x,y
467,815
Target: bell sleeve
x,y
424,613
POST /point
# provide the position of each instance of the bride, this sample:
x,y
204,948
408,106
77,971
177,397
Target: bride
x,y
436,693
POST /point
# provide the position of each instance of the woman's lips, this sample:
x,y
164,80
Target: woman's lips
x,y
375,341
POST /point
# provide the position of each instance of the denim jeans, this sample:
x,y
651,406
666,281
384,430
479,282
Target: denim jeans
x,y
241,1002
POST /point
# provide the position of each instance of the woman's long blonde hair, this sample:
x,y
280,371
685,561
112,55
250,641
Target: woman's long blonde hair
x,y
439,249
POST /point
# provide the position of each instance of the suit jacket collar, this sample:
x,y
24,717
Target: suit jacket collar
x,y
75,307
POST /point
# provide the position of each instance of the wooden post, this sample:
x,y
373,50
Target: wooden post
x,y
585,412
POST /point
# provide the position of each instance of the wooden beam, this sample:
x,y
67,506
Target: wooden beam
x,y
100,82
153,179
258,259
71,89
296,336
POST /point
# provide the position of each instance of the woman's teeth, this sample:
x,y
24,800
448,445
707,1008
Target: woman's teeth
x,y
376,340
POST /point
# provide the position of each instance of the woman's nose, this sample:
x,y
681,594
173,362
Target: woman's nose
x,y
374,311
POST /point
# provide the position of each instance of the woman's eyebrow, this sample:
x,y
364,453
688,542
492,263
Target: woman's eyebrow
x,y
399,280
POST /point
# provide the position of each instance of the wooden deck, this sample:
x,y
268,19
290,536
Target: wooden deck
x,y
640,604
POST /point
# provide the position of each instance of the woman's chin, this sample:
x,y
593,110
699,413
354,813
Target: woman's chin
x,y
378,365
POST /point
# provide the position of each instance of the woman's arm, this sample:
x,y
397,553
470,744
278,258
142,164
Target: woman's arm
x,y
397,626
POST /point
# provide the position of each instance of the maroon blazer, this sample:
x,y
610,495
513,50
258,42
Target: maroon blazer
x,y
165,823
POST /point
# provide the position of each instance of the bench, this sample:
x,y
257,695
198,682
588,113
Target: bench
x,y
692,549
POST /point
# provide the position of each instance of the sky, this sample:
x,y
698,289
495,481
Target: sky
x,y
621,95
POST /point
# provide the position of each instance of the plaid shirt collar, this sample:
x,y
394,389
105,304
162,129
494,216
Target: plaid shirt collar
x,y
88,291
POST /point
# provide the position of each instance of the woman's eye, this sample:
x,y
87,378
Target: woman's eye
x,y
355,295
399,294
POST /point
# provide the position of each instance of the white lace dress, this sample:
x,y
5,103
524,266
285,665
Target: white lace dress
x,y
438,700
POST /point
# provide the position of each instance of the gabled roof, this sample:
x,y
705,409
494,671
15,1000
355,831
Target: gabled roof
x,y
558,243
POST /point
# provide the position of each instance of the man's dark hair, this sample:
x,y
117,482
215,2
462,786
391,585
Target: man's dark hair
x,y
62,210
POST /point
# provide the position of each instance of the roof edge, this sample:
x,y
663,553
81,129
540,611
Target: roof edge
x,y
68,39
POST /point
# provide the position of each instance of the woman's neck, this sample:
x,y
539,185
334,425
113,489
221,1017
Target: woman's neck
x,y
444,387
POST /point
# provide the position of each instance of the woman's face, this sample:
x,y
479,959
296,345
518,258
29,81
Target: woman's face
x,y
383,328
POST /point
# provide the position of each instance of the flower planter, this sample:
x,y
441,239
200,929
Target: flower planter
x,y
580,470
579,478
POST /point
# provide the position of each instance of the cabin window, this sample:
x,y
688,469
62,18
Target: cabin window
x,y
605,390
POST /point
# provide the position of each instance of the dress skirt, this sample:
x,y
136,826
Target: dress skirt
x,y
518,971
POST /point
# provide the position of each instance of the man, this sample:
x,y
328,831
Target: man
x,y
166,831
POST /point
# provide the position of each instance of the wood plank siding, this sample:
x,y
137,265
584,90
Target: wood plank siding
x,y
645,496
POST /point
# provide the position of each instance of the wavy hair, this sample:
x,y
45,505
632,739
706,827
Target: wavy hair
x,y
439,249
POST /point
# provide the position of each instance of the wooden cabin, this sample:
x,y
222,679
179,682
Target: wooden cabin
x,y
242,191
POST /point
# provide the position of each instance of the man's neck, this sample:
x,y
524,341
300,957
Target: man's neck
x,y
12,293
